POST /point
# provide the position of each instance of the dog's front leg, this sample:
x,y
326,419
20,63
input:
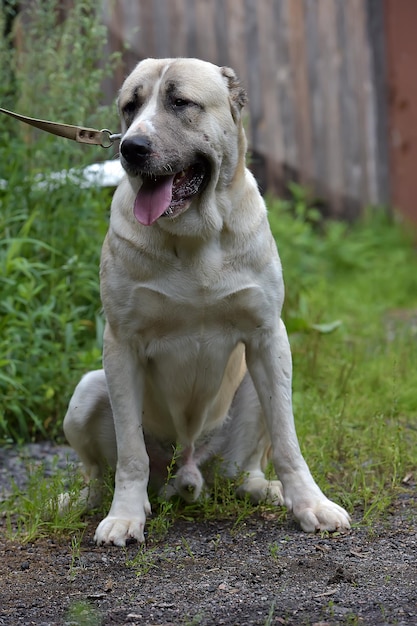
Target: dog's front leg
x,y
125,381
269,363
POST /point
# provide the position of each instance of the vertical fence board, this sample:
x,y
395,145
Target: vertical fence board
x,y
366,99
206,37
144,44
352,129
401,40
314,62
330,85
221,24
175,10
301,112
271,176
160,18
285,93
237,38
253,77
377,17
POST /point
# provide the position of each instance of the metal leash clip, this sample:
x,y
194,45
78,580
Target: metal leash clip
x,y
108,138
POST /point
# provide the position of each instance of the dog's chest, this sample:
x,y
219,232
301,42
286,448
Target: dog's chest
x,y
194,293
209,297
171,309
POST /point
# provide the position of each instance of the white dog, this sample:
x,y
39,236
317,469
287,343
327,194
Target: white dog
x,y
195,354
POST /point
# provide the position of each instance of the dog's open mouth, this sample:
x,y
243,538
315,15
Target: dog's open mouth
x,y
168,195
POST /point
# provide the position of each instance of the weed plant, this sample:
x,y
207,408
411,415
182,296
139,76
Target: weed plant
x,y
50,323
34,512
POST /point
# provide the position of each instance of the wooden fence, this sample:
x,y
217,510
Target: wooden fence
x,y
314,74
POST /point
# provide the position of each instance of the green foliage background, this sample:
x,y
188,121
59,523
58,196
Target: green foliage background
x,y
50,323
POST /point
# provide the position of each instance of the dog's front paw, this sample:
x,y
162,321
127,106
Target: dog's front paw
x,y
321,514
118,530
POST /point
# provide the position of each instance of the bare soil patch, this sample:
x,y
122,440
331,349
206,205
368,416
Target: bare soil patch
x,y
264,572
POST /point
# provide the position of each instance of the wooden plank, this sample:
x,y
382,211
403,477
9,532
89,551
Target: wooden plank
x,y
301,110
364,99
253,69
236,18
178,30
129,20
115,34
143,28
402,53
314,61
206,37
160,19
237,38
272,141
329,86
221,33
351,127
190,20
375,36
285,91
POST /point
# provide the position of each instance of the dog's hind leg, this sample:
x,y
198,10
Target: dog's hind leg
x,y
245,449
89,428
189,481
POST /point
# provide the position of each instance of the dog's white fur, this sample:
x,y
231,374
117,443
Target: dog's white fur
x,y
195,353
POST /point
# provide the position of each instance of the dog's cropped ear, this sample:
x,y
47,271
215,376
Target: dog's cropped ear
x,y
237,95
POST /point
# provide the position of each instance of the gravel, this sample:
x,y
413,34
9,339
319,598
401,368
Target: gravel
x,y
264,572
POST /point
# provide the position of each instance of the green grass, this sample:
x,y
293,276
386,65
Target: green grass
x,y
355,397
34,512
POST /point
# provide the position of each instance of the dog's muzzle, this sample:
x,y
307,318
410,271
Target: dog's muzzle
x,y
161,194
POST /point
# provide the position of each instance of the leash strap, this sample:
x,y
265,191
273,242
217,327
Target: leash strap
x,y
104,138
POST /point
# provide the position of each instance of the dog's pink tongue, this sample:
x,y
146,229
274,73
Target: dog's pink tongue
x,y
153,199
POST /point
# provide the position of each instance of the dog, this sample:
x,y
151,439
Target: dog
x,y
196,357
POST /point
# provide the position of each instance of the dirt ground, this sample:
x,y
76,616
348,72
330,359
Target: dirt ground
x,y
265,572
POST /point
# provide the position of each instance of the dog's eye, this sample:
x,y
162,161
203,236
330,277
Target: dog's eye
x,y
182,103
129,108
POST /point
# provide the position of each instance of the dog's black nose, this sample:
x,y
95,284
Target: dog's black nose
x,y
136,149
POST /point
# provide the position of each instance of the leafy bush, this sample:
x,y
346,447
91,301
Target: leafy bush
x,y
50,323
319,255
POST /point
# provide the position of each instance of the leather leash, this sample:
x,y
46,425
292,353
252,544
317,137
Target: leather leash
x,y
104,138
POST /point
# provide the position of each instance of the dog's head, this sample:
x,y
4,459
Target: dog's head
x,y
182,135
